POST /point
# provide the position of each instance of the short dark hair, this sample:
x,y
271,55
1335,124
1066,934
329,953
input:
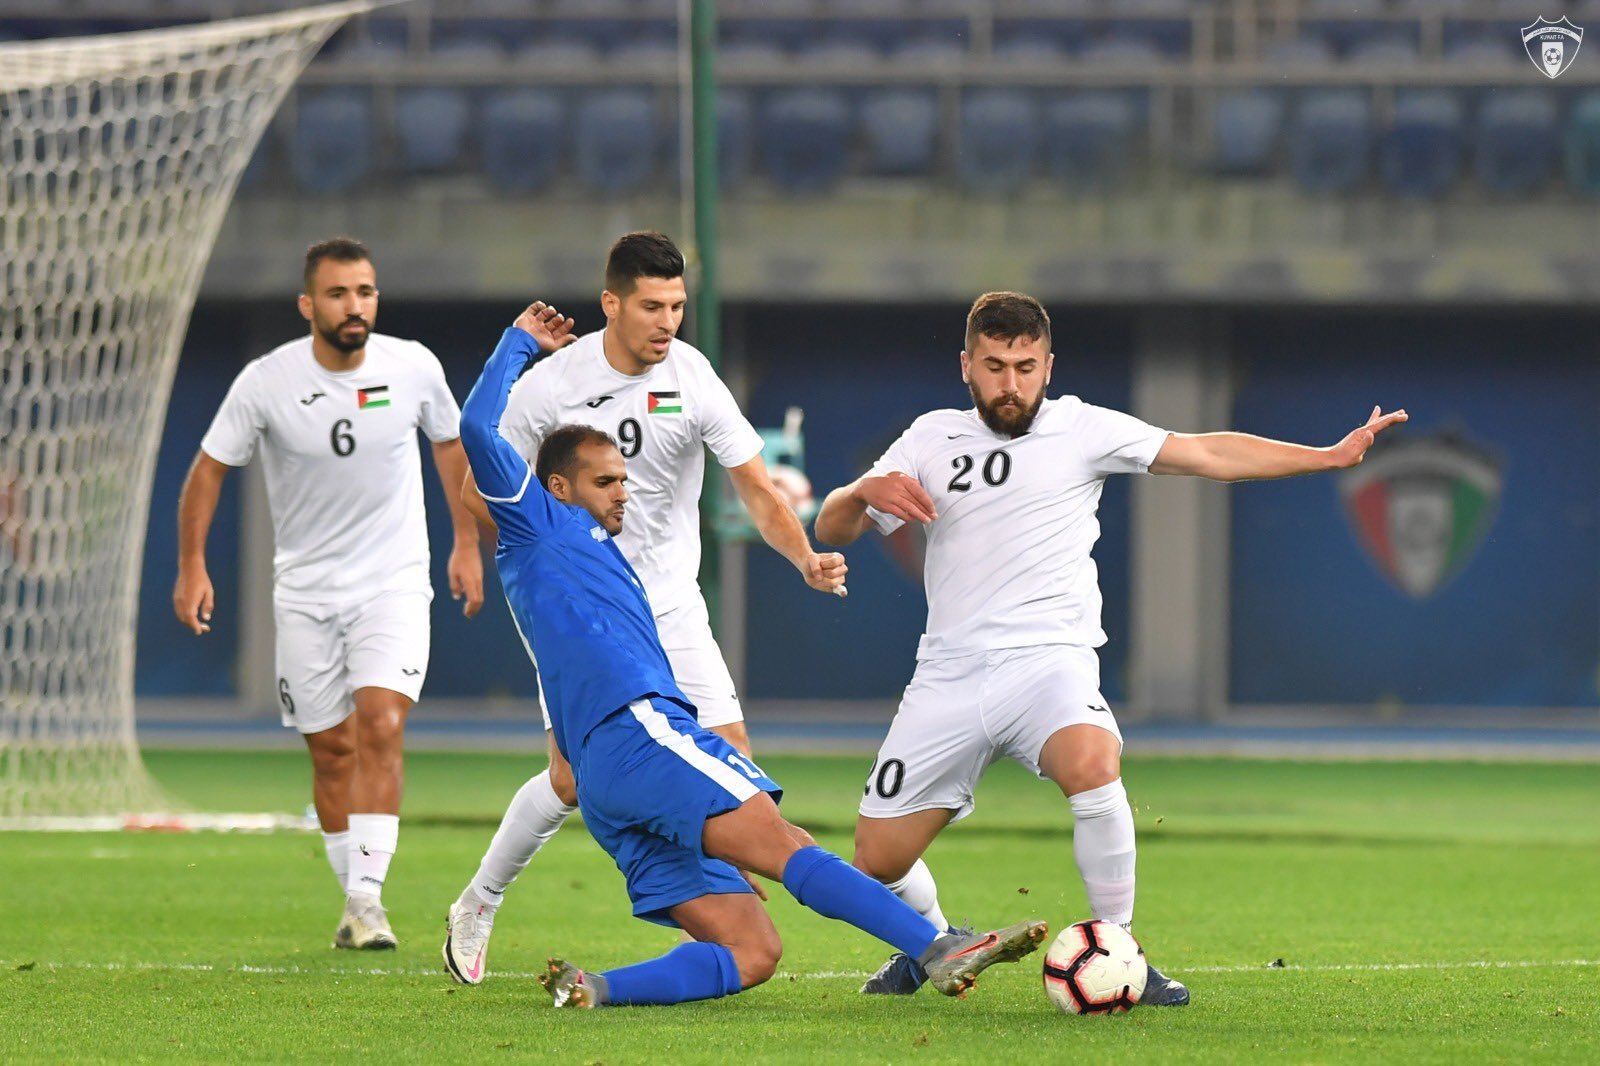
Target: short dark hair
x,y
643,254
558,453
1005,316
339,249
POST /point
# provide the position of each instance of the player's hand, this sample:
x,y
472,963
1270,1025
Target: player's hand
x,y
193,599
465,571
547,326
750,878
824,571
1353,448
900,495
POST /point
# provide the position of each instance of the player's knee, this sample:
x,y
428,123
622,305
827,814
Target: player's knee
x,y
877,862
758,959
333,759
1091,771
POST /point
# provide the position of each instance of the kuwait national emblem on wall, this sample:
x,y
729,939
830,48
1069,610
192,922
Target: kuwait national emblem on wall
x,y
1421,505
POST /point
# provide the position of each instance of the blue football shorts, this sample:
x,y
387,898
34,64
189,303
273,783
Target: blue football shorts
x,y
649,778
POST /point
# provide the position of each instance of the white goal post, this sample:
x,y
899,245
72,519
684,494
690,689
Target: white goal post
x,y
119,155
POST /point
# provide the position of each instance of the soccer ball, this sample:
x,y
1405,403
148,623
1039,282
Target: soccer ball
x,y
1094,968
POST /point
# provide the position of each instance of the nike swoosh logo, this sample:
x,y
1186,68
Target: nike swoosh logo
x,y
987,942
477,967
597,403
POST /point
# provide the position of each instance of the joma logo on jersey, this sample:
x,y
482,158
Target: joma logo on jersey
x,y
1421,505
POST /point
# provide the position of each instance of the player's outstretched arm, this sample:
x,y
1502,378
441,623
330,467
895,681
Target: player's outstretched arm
x,y
1242,457
192,596
843,516
780,527
501,473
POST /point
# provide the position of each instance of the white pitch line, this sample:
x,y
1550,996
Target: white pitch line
x,y
271,971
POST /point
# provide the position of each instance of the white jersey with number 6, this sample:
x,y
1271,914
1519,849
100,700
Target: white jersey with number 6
x,y
1008,563
662,420
343,470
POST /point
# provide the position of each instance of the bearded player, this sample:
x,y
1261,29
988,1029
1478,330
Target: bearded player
x,y
1008,492
664,404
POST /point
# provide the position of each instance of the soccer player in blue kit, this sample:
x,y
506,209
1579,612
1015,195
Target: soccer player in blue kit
x,y
678,808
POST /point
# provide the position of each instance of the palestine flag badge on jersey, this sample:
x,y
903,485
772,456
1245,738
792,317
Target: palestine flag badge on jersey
x,y
376,396
1420,506
665,403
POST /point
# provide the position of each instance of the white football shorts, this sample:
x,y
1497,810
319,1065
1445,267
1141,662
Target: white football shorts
x,y
958,715
697,666
325,653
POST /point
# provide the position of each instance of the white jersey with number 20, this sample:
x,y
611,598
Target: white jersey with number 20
x,y
1008,563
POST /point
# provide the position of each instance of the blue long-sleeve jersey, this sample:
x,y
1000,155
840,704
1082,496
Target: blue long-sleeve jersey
x,y
578,605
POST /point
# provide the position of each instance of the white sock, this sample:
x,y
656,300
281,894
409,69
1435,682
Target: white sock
x,y
917,890
1102,842
536,812
373,838
337,846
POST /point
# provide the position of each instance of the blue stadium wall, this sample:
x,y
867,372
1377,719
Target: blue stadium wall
x,y
1314,617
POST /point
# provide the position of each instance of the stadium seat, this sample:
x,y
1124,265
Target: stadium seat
x,y
558,52
1040,38
522,131
467,48
1421,152
1172,37
840,52
785,34
1249,123
1089,138
617,139
931,51
430,125
901,130
1387,51
1583,145
1037,51
1330,140
331,146
642,51
1298,53
1482,53
1127,50
998,140
1515,147
805,138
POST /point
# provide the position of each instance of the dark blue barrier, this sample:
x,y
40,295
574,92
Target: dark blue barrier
x,y
1458,566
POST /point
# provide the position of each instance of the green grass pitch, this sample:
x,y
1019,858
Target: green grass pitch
x,y
1425,913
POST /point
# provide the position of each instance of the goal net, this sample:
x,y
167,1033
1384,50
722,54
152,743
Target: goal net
x,y
118,158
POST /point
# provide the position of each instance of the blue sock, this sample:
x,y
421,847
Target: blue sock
x,y
687,972
835,889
